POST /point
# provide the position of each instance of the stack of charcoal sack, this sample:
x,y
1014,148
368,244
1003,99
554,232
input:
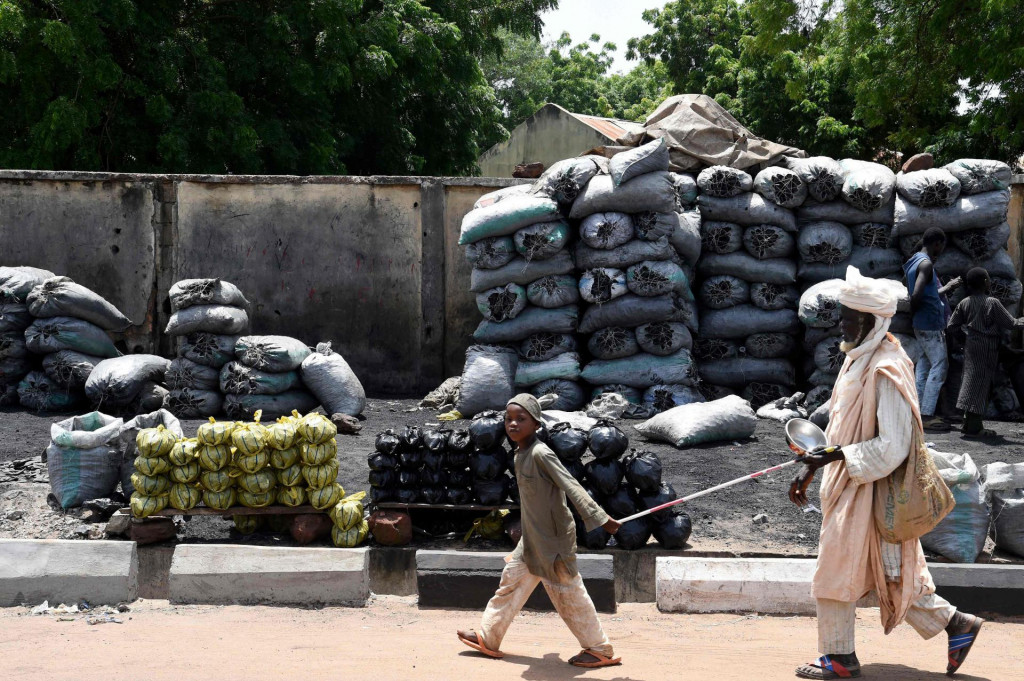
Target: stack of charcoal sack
x,y
16,361
443,466
517,242
71,332
208,314
264,377
967,199
639,242
748,292
622,484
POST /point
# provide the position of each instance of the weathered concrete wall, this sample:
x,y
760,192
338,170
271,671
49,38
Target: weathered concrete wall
x,y
547,136
1015,216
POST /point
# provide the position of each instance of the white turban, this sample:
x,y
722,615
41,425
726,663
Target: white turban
x,y
865,294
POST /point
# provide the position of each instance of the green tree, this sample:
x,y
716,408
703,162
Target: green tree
x,y
240,86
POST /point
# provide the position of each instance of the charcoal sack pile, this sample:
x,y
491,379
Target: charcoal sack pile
x,y
264,376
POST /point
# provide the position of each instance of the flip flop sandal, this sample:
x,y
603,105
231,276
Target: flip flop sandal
x,y
960,645
937,426
480,647
981,434
601,660
826,669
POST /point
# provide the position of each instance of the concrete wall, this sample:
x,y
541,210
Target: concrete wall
x,y
549,135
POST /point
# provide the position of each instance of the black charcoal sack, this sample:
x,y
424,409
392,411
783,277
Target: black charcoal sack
x,y
606,441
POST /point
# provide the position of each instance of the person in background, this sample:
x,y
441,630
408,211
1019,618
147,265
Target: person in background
x,y
981,319
546,554
929,309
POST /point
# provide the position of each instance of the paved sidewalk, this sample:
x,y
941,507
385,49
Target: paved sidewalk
x,y
394,640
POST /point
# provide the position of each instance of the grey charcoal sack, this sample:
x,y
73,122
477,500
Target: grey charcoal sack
x,y
747,210
977,175
643,370
723,291
209,349
953,263
83,459
724,182
116,382
742,320
13,369
333,382
841,211
184,373
69,368
490,254
663,338
488,379
872,262
980,243
819,305
244,407
602,284
238,379
502,194
622,257
968,212
822,175
664,397
728,418
18,282
721,237
520,271
782,186
189,292
564,180
613,342
187,403
554,291
686,238
150,398
715,348
644,159
1005,482
867,186
542,346
652,226
61,297
774,296
653,191
873,235
218,319
571,396
928,188
827,355
128,434
745,266
66,333
502,302
740,371
506,217
629,311
655,278
532,320
542,241
765,242
14,316
38,392
565,366
606,230
770,345
825,242
271,353
686,190
12,345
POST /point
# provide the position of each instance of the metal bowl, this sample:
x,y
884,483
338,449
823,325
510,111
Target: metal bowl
x,y
803,436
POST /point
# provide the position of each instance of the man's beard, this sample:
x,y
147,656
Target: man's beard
x,y
847,346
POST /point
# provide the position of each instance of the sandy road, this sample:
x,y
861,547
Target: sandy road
x,y
393,640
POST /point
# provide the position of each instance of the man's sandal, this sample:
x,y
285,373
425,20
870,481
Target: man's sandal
x,y
596,660
960,645
984,433
479,646
827,668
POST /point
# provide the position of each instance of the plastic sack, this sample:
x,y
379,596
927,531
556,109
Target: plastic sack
x,y
506,217
819,304
742,320
1005,483
564,180
544,346
62,297
720,237
629,311
960,536
184,373
968,212
663,338
185,474
774,296
686,237
748,268
723,291
654,278
728,418
82,459
488,380
595,540
769,345
602,284
623,256
607,441
190,292
458,496
38,392
672,533
65,333
410,439
209,349
929,188
825,242
18,282
564,366
822,175
977,175
766,242
746,210
641,160
642,370
604,475
651,191
650,226
643,471
781,186
532,320
191,404
686,190
184,497
542,241
873,235
553,291
184,452
333,382
724,182
867,186
242,407
633,535
271,353
323,475
490,254
520,271
143,506
216,481
352,537
238,379
568,443
491,492
606,230
502,194
291,496
487,429
215,319
843,212
488,464
979,244
663,397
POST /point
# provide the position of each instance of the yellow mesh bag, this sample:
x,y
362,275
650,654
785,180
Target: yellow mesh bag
x,y
249,438
214,457
317,428
184,452
349,511
284,458
291,496
216,481
151,465
260,481
220,501
150,485
185,497
215,432
187,473
352,537
143,506
322,475
314,455
251,463
256,500
247,524
155,441
283,434
325,497
291,476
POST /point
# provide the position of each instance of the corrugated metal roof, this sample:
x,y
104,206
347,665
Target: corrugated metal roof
x,y
611,128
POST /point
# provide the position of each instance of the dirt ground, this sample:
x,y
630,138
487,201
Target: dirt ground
x,y
393,640
722,522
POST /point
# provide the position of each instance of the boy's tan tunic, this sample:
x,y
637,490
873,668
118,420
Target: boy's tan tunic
x,y
549,532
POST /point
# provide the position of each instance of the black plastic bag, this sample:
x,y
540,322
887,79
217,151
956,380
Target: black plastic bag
x,y
387,442
432,477
576,469
621,504
435,440
643,471
407,496
665,494
491,492
408,478
433,495
513,489
460,441
487,430
411,438
456,459
380,495
383,478
566,442
607,441
460,477
673,533
604,475
379,461
488,465
458,496
633,535
434,460
411,458
595,540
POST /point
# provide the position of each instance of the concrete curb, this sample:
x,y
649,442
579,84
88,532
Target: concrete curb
x,y
783,586
468,579
67,571
235,574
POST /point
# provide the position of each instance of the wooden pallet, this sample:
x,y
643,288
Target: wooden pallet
x,y
446,507
234,510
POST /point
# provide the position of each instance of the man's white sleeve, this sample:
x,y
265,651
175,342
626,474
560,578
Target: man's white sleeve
x,y
876,458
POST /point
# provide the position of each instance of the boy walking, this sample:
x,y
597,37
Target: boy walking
x,y
546,554
982,320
